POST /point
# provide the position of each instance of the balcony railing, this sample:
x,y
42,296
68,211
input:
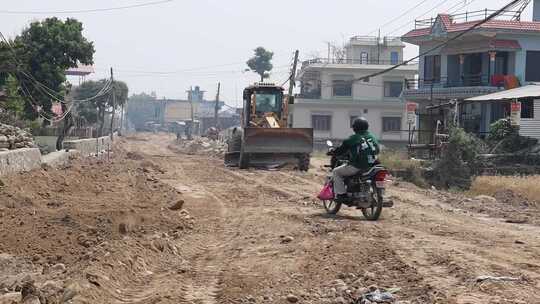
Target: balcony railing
x,y
445,82
470,16
353,61
388,40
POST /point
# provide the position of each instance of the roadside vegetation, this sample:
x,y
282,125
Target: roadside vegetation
x,y
526,186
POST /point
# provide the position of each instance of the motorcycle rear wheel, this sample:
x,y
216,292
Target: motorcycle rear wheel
x,y
374,212
331,206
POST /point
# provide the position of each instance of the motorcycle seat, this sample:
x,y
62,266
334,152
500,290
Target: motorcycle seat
x,y
368,173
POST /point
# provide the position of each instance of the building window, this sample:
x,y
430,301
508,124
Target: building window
x,y
392,88
527,108
365,111
391,124
532,72
342,87
394,58
321,122
364,58
432,68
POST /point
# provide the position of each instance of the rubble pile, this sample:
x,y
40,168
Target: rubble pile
x,y
12,138
203,145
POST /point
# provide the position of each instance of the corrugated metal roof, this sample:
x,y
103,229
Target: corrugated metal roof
x,y
521,92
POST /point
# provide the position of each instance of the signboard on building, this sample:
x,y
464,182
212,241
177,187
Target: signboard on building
x,y
515,113
411,113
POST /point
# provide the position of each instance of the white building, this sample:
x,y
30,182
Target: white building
x,y
330,99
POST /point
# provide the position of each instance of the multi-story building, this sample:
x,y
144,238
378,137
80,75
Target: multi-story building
x,y
331,97
500,54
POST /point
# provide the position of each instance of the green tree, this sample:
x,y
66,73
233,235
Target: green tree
x,y
14,103
261,62
45,50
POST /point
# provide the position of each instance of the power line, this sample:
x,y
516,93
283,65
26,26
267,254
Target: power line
x,y
476,25
95,10
427,12
398,17
460,8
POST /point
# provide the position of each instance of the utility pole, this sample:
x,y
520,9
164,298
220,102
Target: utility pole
x,y
292,80
378,47
328,46
190,97
114,104
216,108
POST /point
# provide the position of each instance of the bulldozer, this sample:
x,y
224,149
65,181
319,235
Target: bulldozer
x,y
265,138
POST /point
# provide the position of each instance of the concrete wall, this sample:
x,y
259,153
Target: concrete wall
x,y
14,161
27,159
59,158
87,147
48,143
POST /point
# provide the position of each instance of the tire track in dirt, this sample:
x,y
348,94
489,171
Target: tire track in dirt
x,y
415,240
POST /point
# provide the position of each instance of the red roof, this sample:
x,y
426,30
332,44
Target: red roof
x,y
527,26
505,44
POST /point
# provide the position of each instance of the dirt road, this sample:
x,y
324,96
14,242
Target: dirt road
x,y
259,237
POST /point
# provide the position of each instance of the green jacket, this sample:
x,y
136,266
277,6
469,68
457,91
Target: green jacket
x,y
363,148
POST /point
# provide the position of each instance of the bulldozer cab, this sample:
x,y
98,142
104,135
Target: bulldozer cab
x,y
262,100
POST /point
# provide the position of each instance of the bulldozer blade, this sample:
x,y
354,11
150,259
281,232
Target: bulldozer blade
x,y
278,140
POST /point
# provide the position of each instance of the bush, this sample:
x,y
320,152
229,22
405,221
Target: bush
x,y
505,138
399,164
501,129
459,160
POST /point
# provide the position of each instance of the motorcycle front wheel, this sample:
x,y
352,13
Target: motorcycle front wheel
x,y
374,212
331,206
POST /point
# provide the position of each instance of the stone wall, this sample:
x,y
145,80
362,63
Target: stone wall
x,y
12,138
25,159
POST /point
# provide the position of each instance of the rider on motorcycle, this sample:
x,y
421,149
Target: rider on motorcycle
x,y
363,148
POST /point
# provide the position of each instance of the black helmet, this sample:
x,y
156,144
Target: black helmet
x,y
360,124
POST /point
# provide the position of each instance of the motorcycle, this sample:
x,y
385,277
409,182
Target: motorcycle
x,y
365,190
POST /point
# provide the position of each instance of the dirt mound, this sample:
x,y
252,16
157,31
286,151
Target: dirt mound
x,y
58,223
200,146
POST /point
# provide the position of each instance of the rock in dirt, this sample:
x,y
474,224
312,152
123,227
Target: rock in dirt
x,y
177,206
481,279
486,199
70,292
376,296
286,239
58,267
340,300
517,221
30,294
292,298
9,298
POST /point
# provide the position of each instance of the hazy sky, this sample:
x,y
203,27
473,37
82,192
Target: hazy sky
x,y
169,47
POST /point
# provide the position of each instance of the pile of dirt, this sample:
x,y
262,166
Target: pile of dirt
x,y
55,224
14,138
200,146
505,204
